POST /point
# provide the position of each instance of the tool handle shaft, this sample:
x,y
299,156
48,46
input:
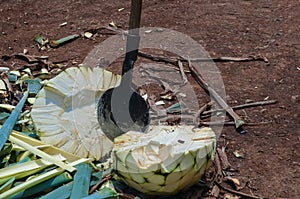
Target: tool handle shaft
x,y
135,17
133,38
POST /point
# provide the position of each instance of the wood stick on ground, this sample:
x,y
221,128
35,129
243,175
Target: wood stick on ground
x,y
231,123
219,179
259,103
223,157
228,59
95,187
219,174
200,111
217,59
180,65
163,59
188,118
158,58
163,118
209,90
124,195
244,195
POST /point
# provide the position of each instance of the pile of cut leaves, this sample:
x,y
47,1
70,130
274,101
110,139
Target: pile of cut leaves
x,y
30,168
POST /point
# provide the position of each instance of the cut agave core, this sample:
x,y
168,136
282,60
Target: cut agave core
x,y
65,114
165,160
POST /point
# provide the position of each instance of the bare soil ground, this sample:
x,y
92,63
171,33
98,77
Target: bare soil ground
x,y
224,28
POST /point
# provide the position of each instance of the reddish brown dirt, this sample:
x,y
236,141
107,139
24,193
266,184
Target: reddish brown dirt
x,y
224,28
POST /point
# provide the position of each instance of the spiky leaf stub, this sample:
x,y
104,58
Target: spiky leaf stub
x,y
165,160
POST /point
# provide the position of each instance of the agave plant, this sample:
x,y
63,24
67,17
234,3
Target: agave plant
x,y
165,160
64,112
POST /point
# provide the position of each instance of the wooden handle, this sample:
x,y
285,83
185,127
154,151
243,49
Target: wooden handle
x,y
133,38
135,16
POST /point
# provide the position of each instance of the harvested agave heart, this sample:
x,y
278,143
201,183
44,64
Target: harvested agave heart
x,y
165,160
65,114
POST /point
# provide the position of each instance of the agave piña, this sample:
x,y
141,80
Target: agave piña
x,y
165,160
64,112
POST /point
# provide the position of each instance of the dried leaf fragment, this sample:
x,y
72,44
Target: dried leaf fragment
x,y
88,35
40,40
3,88
230,196
215,192
159,103
239,154
63,24
168,96
27,70
236,182
112,24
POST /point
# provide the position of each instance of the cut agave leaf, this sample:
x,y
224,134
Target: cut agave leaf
x,y
65,111
81,181
3,88
61,192
6,186
63,40
7,107
37,180
46,185
105,193
22,170
34,85
165,160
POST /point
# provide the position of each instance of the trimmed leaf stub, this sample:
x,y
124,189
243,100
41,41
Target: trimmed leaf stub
x,y
165,160
65,114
